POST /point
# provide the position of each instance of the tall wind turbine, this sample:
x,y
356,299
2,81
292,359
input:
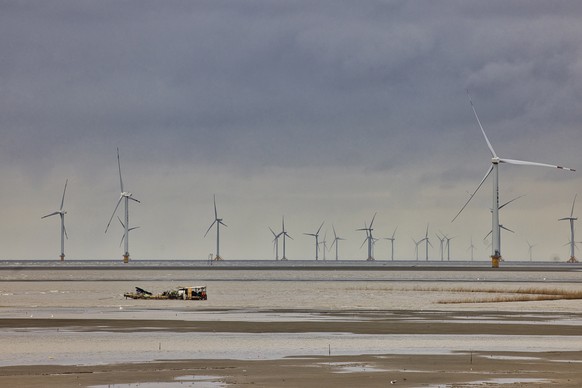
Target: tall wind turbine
x,y
285,235
276,243
417,243
369,237
472,248
125,196
61,213
392,239
324,244
218,222
316,235
572,241
495,161
336,240
448,246
427,242
530,249
442,242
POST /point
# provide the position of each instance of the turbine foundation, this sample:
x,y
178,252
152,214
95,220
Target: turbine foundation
x,y
217,258
126,258
370,259
62,257
495,261
572,260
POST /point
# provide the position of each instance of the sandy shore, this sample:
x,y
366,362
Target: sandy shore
x,y
455,369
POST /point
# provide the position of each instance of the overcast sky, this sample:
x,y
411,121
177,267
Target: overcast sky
x,y
315,110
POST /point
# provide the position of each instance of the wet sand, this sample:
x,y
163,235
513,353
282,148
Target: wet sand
x,y
458,369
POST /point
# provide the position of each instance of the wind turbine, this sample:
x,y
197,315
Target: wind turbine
x,y
316,235
369,237
472,248
495,161
572,241
125,196
417,243
427,242
530,250
128,230
392,239
285,235
276,243
218,222
335,242
442,242
61,213
324,243
448,245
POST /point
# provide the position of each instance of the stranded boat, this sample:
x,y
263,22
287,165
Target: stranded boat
x,y
184,293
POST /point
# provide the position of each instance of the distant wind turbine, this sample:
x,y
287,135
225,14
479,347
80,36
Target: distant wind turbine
x,y
369,238
442,242
316,235
61,213
324,244
392,239
448,246
285,235
572,240
495,161
530,248
125,196
336,240
427,242
417,243
472,248
276,243
218,222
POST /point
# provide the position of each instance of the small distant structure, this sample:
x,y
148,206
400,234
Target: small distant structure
x,y
285,235
180,293
392,239
316,235
572,242
218,222
336,240
369,238
61,213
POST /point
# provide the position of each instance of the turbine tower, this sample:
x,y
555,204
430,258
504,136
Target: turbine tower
x,y
61,213
316,235
417,243
448,246
324,243
335,242
441,246
276,243
369,238
285,235
125,196
572,241
530,249
218,222
392,239
495,161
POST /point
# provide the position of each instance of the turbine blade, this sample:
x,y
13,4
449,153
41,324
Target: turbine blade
x,y
503,227
373,218
65,230
485,238
365,240
480,126
320,226
274,234
122,238
210,227
48,215
133,199
573,203
116,206
289,236
222,223
64,191
215,212
525,163
334,235
474,192
121,222
394,234
134,228
508,202
119,166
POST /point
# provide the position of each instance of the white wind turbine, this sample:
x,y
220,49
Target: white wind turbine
x,y
276,243
125,196
495,161
324,244
285,235
369,238
392,239
316,235
335,242
218,222
448,246
417,243
427,242
442,242
530,249
61,213
472,248
572,240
